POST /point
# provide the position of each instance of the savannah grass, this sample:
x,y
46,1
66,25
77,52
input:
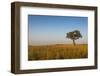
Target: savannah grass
x,y
58,51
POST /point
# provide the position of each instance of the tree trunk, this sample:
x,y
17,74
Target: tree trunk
x,y
74,42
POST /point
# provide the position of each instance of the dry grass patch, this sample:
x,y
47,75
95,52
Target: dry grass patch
x,y
59,51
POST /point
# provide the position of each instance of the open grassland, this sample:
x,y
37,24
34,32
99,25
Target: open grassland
x,y
59,51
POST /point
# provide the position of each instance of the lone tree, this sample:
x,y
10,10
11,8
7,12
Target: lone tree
x,y
74,35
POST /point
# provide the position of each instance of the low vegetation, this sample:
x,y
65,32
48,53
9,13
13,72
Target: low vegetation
x,y
58,51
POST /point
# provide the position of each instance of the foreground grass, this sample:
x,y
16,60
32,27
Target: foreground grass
x,y
60,51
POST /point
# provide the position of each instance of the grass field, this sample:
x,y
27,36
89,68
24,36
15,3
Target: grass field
x,y
58,51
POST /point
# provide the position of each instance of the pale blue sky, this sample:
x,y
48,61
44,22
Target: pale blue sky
x,y
47,30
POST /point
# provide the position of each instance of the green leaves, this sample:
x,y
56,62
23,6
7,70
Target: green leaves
x,y
74,35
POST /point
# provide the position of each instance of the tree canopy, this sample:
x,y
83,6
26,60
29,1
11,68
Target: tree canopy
x,y
74,35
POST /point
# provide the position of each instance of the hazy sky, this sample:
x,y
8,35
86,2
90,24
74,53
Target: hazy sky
x,y
46,30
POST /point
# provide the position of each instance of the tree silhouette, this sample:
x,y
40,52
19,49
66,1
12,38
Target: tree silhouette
x,y
74,35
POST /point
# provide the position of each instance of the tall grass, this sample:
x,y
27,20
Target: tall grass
x,y
62,51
